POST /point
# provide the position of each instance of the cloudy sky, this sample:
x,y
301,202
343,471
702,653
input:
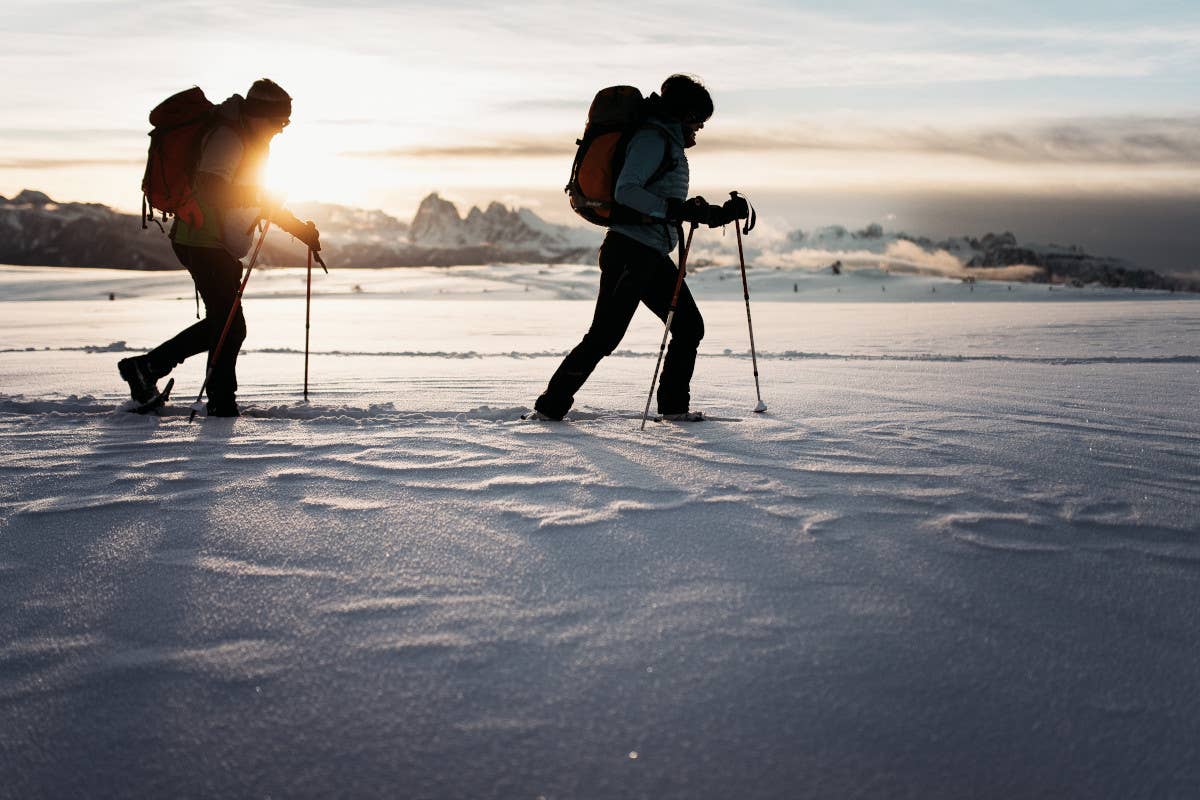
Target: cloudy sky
x,y
1073,119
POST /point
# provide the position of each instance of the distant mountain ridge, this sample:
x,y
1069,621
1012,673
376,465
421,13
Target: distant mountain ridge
x,y
36,230
992,256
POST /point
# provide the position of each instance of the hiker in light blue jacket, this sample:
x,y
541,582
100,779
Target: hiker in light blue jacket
x,y
635,264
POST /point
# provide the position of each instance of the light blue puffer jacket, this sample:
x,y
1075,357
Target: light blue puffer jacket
x,y
642,159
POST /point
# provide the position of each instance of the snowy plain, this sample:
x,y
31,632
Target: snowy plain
x,y
959,556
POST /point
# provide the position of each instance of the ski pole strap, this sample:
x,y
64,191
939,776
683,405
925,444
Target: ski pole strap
x,y
679,242
752,220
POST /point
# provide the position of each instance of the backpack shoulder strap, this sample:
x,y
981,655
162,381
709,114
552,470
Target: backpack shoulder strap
x,y
667,164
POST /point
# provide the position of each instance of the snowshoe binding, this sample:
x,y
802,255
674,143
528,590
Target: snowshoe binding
x,y
157,401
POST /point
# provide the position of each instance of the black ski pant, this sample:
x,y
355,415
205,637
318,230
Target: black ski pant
x,y
217,276
631,273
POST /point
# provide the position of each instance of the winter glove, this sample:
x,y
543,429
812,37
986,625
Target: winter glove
x,y
732,209
310,236
304,231
736,208
695,209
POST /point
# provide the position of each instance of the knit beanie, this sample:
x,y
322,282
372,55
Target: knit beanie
x,y
267,99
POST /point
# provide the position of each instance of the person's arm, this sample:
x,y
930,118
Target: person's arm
x,y
304,231
219,160
642,160
216,191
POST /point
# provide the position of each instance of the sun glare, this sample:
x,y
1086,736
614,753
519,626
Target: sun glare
x,y
309,166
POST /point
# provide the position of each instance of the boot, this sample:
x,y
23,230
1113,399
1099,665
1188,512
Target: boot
x,y
222,407
143,385
685,416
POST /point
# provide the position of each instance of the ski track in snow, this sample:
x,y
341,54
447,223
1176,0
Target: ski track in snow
x,y
914,576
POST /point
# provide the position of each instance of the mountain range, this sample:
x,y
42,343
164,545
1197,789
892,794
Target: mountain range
x,y
36,230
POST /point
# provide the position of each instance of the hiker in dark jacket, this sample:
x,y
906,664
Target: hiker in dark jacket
x,y
228,188
635,266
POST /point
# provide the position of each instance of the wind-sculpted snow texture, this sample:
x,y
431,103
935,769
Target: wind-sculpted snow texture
x,y
958,557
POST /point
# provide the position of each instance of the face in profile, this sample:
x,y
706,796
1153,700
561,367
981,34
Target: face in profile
x,y
267,127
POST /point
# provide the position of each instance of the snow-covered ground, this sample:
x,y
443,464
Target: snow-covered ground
x,y
958,557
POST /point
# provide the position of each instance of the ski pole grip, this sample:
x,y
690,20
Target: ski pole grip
x,y
752,220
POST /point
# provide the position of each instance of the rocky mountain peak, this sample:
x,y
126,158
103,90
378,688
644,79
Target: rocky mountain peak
x,y
30,197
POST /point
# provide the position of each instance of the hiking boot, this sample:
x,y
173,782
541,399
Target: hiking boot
x,y
143,385
686,416
541,417
222,408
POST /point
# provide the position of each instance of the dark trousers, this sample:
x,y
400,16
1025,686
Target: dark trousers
x,y
631,273
217,276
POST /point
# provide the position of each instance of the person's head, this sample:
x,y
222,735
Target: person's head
x,y
685,99
267,108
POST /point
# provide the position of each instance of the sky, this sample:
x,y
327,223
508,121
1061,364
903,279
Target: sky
x,y
1069,121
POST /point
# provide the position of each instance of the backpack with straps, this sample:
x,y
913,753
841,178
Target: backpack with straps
x,y
616,114
179,125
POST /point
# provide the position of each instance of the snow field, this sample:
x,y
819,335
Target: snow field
x,y
957,557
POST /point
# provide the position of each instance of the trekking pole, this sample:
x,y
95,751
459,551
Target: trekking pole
x,y
308,311
237,302
761,407
670,316
307,321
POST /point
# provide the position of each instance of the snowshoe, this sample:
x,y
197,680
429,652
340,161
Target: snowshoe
x,y
222,408
157,401
686,416
538,416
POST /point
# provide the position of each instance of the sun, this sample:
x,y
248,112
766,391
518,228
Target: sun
x,y
311,165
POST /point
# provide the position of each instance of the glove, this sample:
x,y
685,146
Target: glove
x,y
310,236
736,208
733,209
304,231
695,209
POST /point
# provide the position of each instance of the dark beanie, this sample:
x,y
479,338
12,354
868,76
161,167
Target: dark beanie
x,y
267,99
684,97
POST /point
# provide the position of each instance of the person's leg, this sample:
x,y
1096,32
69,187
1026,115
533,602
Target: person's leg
x,y
142,372
193,339
687,329
622,273
217,276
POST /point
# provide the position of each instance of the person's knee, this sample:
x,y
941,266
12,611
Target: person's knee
x,y
600,344
237,330
688,328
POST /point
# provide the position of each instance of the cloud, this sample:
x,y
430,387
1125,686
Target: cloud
x,y
903,257
512,148
577,104
66,134
1130,141
1112,141
68,163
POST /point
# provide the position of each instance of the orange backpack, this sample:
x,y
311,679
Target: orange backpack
x,y
616,114
180,123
